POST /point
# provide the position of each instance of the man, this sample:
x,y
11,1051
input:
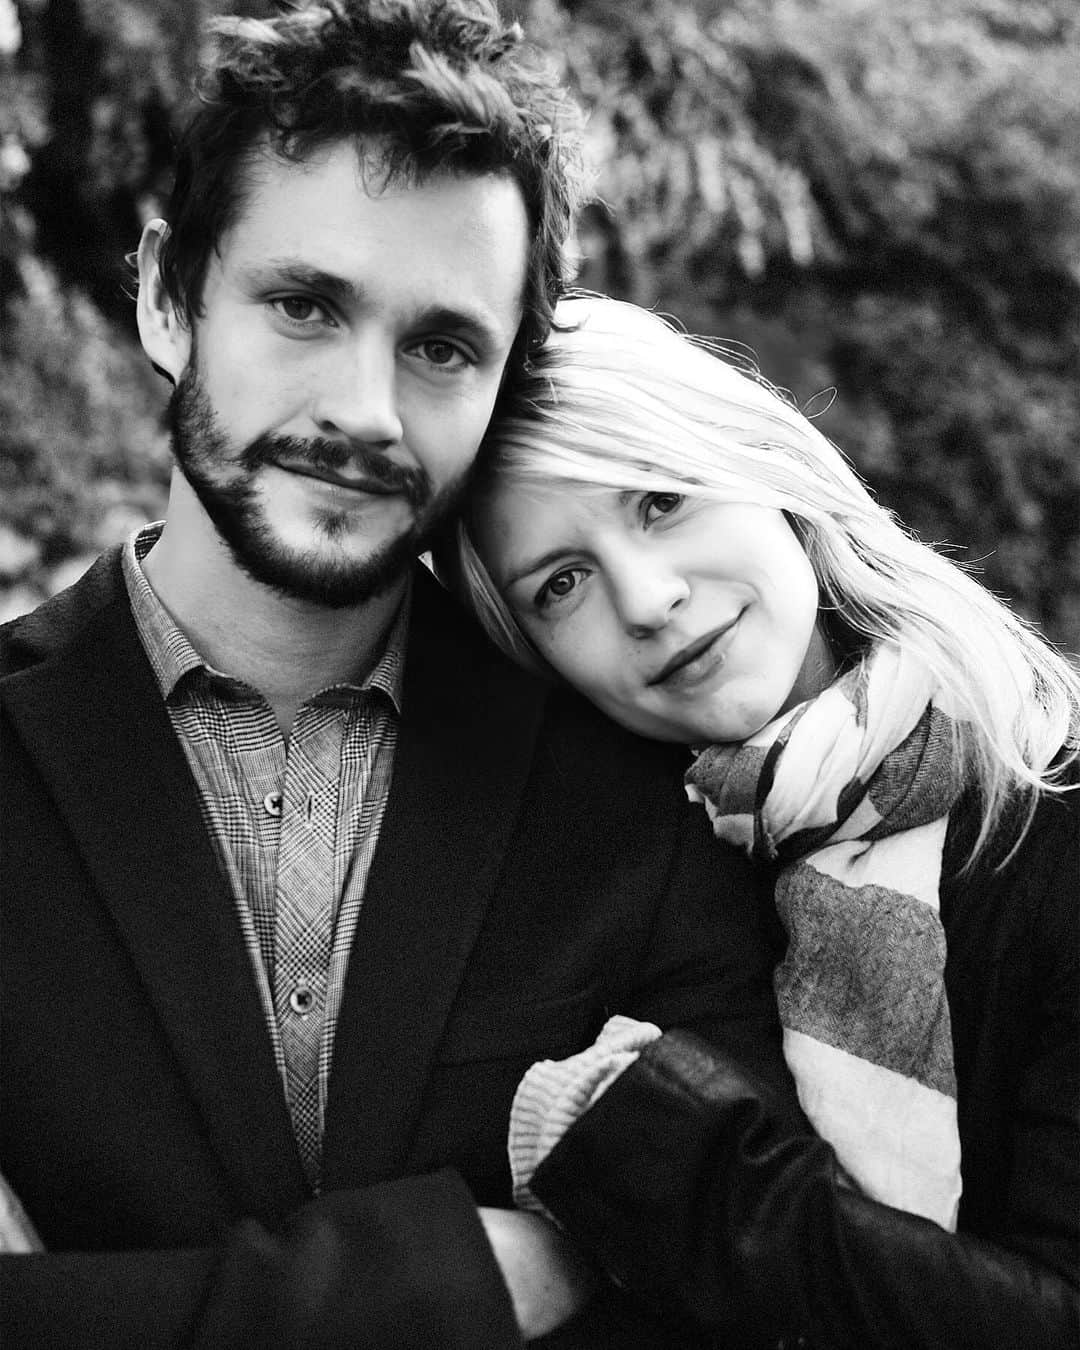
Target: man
x,y
298,875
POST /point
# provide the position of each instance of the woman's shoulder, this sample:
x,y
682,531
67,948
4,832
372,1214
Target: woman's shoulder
x,y
1028,869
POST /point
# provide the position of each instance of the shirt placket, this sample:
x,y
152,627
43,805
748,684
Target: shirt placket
x,y
303,914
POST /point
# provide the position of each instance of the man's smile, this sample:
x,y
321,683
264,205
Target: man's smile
x,y
340,478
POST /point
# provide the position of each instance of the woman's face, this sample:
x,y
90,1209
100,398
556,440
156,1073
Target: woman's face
x,y
682,618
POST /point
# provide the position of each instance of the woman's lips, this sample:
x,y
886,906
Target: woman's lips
x,y
697,660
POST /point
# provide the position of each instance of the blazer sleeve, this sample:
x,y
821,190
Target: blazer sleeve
x,y
401,1265
711,956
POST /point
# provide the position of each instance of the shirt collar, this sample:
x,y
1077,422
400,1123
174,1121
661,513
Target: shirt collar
x,y
172,657
170,653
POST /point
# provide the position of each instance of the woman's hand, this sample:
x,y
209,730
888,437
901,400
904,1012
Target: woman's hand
x,y
548,1282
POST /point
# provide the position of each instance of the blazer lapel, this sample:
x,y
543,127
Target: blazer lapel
x,y
92,717
464,750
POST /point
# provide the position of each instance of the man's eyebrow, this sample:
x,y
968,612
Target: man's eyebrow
x,y
473,320
296,272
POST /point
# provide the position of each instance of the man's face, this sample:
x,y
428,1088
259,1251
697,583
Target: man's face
x,y
345,366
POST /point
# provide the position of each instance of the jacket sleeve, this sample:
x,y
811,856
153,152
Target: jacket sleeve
x,y
405,1264
711,955
693,1191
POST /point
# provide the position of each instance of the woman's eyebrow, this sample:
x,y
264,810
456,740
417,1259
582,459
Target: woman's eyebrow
x,y
553,555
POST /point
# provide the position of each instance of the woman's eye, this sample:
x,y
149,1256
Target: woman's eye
x,y
558,587
656,504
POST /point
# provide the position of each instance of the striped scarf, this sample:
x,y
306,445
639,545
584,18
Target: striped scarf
x,y
849,796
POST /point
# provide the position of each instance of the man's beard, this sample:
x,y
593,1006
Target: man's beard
x,y
230,499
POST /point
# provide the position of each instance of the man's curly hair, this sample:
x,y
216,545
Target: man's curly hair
x,y
423,86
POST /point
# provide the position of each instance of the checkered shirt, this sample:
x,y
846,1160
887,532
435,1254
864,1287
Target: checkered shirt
x,y
294,826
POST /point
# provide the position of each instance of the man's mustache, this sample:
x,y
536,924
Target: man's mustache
x,y
412,484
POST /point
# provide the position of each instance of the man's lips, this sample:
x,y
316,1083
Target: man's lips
x,y
685,655
352,482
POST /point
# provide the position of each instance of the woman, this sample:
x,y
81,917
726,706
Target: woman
x,y
671,536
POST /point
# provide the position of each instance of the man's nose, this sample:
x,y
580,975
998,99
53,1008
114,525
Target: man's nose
x,y
647,595
357,396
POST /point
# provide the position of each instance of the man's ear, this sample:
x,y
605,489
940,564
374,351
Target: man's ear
x,y
166,338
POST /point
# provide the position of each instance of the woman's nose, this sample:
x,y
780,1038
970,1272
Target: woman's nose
x,y
647,595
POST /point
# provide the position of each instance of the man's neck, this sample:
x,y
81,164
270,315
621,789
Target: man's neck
x,y
286,649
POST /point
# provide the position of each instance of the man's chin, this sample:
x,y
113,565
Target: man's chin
x,y
329,579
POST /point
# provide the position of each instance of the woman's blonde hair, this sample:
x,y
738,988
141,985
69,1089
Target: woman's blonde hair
x,y
619,398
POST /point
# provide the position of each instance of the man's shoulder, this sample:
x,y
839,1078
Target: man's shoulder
x,y
60,621
579,757
571,728
579,724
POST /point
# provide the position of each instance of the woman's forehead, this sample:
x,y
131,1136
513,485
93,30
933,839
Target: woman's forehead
x,y
523,520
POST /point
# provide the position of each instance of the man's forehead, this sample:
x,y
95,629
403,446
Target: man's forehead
x,y
456,240
369,164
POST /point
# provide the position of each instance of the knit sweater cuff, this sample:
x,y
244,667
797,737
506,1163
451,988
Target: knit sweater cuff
x,y
554,1093
17,1233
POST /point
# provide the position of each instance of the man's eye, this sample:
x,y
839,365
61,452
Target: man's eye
x,y
298,308
656,504
441,352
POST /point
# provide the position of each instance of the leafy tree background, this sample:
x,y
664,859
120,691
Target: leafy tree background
x,y
878,199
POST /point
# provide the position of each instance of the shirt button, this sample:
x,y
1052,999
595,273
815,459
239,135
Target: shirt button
x,y
272,803
302,999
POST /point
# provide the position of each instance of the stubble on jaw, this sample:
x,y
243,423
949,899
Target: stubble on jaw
x,y
230,498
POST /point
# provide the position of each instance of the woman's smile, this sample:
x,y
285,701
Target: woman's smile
x,y
698,660
683,617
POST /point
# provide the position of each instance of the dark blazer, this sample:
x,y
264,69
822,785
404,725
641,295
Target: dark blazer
x,y
692,1190
537,870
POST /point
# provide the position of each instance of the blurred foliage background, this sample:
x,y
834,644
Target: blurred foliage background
x,y
881,199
